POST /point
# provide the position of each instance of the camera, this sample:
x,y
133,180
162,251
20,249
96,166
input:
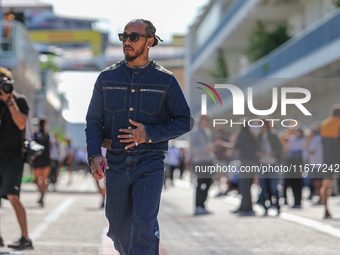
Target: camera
x,y
6,85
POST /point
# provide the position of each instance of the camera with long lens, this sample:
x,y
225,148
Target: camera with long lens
x,y
6,85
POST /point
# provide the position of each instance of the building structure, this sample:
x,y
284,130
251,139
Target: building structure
x,y
310,54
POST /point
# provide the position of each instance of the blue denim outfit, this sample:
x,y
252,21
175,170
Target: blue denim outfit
x,y
152,96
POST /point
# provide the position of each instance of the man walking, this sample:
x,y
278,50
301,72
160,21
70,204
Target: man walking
x,y
330,133
13,116
202,152
136,107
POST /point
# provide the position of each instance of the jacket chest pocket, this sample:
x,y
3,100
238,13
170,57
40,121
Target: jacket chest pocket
x,y
115,98
151,100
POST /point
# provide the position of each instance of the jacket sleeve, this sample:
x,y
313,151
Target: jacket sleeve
x,y
179,111
95,121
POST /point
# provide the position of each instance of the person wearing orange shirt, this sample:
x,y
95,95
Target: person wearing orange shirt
x,y
330,133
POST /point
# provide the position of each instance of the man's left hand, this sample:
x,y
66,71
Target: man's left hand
x,y
134,136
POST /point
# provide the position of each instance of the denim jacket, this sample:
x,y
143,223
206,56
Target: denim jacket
x,y
150,95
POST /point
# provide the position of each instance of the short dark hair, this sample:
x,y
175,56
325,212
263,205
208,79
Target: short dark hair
x,y
336,110
150,30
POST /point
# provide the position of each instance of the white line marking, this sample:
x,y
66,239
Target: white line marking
x,y
51,217
319,226
313,224
183,184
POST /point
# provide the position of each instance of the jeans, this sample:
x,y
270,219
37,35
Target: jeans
x,y
265,184
203,185
204,181
133,188
297,185
245,190
245,183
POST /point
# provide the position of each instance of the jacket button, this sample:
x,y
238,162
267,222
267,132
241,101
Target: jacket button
x,y
150,141
131,109
129,127
133,90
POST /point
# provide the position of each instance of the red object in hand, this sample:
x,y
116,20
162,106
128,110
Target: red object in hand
x,y
102,168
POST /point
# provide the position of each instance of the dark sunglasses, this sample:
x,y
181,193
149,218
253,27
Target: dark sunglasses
x,y
134,37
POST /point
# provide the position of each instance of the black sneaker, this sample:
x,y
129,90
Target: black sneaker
x,y
1,242
22,244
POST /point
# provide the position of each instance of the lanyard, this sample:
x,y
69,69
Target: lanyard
x,y
2,114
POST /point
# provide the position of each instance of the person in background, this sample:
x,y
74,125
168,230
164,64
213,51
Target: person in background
x,y
284,136
315,159
69,160
269,152
182,165
330,133
42,163
245,144
81,160
295,147
202,155
222,157
13,119
55,158
174,157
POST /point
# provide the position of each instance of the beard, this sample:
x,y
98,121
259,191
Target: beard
x,y
139,52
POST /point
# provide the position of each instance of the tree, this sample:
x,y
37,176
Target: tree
x,y
47,61
221,66
336,3
262,42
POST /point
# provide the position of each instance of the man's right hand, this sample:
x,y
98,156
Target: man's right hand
x,y
6,97
96,167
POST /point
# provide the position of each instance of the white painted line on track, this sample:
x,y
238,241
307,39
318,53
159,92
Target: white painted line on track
x,y
50,218
319,226
183,184
313,224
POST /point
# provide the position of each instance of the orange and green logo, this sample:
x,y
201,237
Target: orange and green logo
x,y
209,93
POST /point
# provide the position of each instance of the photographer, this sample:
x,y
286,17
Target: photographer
x,y
13,116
